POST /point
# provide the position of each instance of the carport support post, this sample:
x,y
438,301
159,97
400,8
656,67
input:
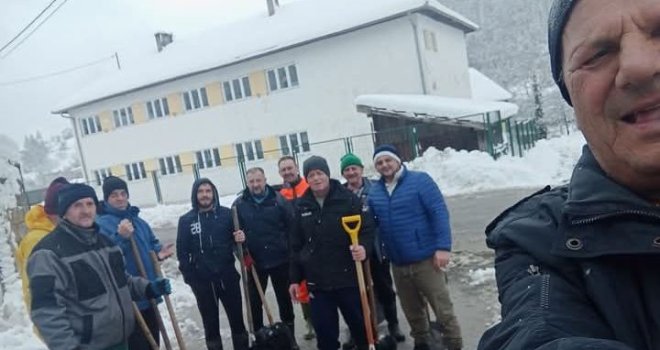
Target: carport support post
x,y
489,138
159,194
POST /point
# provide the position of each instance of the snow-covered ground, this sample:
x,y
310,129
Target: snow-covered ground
x,y
456,172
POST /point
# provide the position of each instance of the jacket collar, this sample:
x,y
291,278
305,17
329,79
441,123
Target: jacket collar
x,y
87,236
592,193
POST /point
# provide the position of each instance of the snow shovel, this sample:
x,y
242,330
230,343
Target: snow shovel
x,y
241,257
154,304
168,302
352,226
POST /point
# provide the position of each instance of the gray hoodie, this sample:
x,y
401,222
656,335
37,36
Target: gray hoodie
x,y
81,294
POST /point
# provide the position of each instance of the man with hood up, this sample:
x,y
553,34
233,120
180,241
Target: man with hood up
x,y
204,247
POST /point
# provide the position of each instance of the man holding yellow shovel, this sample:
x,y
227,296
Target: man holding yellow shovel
x,y
322,253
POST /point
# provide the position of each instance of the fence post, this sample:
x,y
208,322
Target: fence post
x,y
241,170
159,193
508,130
519,140
196,173
489,138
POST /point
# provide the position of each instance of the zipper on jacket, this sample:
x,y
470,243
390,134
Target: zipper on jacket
x,y
592,219
114,286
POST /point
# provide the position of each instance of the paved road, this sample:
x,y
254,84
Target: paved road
x,y
475,304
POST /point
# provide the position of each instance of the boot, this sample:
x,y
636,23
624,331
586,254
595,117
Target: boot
x,y
214,344
349,344
240,341
395,332
421,346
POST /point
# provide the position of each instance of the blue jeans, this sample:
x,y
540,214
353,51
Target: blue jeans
x,y
325,317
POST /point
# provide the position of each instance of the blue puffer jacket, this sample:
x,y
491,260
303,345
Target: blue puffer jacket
x,y
577,268
413,221
109,219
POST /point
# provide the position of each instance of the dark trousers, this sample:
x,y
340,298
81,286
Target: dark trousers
x,y
279,276
326,318
228,291
384,290
137,340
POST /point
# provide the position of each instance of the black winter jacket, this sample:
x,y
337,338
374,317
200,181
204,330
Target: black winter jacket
x,y
577,267
320,248
205,241
266,226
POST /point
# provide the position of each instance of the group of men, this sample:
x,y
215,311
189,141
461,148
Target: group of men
x,y
294,237
85,270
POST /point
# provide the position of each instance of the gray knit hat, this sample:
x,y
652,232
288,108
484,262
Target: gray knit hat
x,y
559,14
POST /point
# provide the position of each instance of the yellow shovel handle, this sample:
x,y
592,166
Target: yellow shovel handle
x,y
352,226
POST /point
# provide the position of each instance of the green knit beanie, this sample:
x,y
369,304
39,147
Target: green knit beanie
x,y
348,160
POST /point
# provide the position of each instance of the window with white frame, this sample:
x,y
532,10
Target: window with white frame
x,y
135,171
101,174
170,165
123,117
237,89
294,143
208,158
195,99
90,125
282,77
250,150
429,41
158,108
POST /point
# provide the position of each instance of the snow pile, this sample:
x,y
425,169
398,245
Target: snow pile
x,y
551,162
480,277
15,326
168,215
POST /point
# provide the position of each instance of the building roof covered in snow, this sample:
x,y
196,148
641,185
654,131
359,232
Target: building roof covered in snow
x,y
431,106
484,88
294,24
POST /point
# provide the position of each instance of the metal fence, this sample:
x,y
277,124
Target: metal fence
x,y
173,183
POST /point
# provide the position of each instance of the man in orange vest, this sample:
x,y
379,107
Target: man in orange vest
x,y
293,187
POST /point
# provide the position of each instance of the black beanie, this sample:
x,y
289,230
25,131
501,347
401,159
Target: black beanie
x,y
559,14
315,163
72,193
112,183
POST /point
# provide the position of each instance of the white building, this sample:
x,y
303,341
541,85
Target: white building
x,y
258,89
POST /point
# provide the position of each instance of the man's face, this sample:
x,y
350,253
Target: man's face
x,y
82,212
352,173
205,196
611,66
288,171
318,181
256,182
387,166
118,199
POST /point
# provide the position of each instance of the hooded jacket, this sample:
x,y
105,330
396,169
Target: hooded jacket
x,y
81,294
38,225
577,267
205,240
266,225
146,241
320,246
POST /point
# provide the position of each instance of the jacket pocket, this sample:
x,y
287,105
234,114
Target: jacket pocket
x,y
88,281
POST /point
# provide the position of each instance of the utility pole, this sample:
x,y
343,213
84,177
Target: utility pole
x,y
17,165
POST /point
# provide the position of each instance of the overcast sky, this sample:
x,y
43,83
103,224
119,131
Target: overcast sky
x,y
83,31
